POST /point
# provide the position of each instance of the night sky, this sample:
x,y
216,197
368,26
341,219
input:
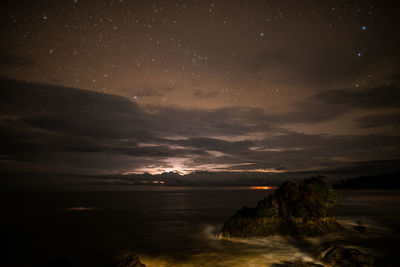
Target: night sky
x,y
100,87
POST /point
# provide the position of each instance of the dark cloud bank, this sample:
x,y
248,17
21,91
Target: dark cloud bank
x,y
57,130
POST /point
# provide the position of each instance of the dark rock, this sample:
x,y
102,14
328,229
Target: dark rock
x,y
58,263
360,228
297,264
296,209
336,255
130,261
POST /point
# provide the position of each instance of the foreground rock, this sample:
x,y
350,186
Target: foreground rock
x,y
296,209
297,264
336,255
130,261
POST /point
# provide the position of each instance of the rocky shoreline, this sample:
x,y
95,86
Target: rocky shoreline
x,y
129,261
298,210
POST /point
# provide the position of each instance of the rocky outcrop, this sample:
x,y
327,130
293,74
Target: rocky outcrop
x,y
336,255
130,261
297,264
296,209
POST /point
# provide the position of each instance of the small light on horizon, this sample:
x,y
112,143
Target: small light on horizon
x,y
262,187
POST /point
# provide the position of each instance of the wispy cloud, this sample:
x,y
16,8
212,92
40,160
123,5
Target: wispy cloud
x,y
58,129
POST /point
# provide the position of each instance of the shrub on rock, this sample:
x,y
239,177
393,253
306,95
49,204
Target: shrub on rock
x,y
296,208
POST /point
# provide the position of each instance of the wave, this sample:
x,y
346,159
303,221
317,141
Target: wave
x,y
250,252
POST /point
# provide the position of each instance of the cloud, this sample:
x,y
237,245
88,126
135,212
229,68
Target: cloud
x,y
57,129
205,123
71,111
379,120
214,144
377,97
331,104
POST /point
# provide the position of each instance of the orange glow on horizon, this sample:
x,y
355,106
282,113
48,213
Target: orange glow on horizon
x,y
262,187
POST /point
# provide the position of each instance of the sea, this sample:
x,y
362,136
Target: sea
x,y
173,226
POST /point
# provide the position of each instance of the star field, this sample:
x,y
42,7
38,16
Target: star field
x,y
302,67
252,53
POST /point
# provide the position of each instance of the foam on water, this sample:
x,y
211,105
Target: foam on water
x,y
253,252
235,252
177,227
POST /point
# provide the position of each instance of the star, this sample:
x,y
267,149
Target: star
x,y
359,54
364,28
262,34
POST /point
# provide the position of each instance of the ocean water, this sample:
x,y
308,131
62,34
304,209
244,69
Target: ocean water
x,y
171,226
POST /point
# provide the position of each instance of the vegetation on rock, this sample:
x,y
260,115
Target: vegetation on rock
x,y
297,209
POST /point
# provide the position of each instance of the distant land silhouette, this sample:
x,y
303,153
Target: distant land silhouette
x,y
382,181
